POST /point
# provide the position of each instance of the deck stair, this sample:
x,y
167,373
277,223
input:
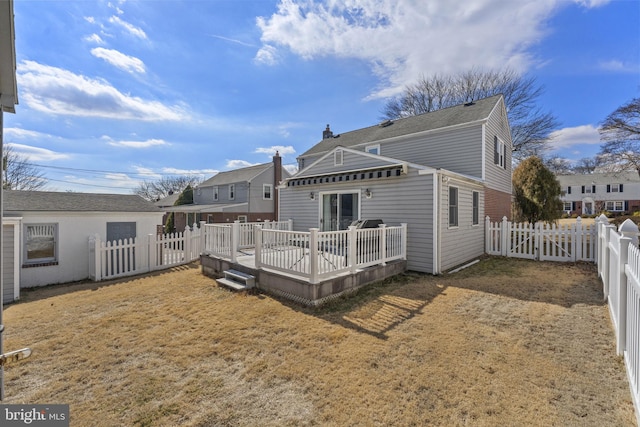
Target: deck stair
x,y
237,280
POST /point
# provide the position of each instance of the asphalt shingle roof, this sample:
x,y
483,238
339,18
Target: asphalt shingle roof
x,y
459,114
51,201
238,175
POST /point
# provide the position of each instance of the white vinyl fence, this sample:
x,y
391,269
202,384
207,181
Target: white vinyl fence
x,y
618,262
541,241
109,260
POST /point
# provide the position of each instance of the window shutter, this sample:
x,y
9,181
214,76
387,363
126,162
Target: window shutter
x,y
583,188
621,188
569,190
573,206
608,188
626,205
593,189
496,151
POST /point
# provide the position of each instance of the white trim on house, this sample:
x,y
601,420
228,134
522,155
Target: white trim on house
x,y
436,226
16,222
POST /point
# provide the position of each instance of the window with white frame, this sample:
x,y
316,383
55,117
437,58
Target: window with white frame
x,y
232,191
215,193
614,188
41,243
267,191
337,158
373,149
475,212
614,206
453,206
567,206
499,152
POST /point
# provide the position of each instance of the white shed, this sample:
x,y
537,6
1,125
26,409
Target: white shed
x,y
54,230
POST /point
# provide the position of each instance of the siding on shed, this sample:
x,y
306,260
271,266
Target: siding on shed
x,y
9,262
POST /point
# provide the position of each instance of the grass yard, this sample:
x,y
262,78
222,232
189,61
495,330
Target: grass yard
x,y
504,342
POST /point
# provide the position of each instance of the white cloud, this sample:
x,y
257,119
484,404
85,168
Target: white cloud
x,y
403,39
138,144
281,149
17,133
575,136
36,154
90,19
53,90
120,60
592,3
617,66
237,164
94,38
204,172
131,29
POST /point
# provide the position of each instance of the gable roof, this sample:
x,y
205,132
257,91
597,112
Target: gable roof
x,y
52,201
237,175
460,114
599,178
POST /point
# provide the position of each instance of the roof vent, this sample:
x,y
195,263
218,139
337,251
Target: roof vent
x,y
469,104
336,136
385,123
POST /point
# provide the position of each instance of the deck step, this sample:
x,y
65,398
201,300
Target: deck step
x,y
237,280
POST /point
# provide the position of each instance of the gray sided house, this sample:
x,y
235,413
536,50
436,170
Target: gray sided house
x,y
247,194
440,173
47,233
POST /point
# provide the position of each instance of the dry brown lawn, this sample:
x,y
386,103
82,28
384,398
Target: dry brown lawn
x,y
504,342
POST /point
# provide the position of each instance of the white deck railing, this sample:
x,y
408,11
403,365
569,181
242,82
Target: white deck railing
x,y
312,255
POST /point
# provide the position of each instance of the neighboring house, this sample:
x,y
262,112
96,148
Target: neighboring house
x,y
50,231
591,194
440,173
247,194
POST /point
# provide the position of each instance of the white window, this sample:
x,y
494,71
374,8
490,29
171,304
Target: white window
x,y
215,193
267,191
41,243
232,191
242,219
475,216
614,206
499,152
614,188
337,158
567,206
373,149
453,206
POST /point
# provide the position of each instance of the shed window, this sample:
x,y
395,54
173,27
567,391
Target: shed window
x,y
41,243
453,206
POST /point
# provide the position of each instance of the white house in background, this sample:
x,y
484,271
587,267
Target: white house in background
x,y
591,194
47,233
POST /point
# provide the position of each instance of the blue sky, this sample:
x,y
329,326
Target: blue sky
x,y
112,93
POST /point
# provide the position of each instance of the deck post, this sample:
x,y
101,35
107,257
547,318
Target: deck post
x,y
404,237
352,248
382,250
313,256
257,232
235,239
290,224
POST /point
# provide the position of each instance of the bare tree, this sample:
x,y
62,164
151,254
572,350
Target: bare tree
x,y
530,126
620,132
558,165
18,173
587,165
156,190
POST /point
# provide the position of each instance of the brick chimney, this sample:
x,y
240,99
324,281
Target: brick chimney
x,y
327,133
277,177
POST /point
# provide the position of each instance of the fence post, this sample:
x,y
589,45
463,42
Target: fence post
x,y
488,238
352,248
607,229
505,237
577,236
629,231
201,240
313,255
404,237
257,231
94,246
601,221
383,243
290,224
152,250
187,243
235,239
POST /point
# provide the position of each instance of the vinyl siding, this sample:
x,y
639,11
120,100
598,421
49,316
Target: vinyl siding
x,y
466,241
8,263
458,150
256,201
496,177
389,202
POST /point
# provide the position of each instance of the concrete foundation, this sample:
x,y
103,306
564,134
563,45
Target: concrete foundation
x,y
300,290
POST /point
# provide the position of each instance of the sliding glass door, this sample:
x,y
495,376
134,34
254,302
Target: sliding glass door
x,y
339,210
